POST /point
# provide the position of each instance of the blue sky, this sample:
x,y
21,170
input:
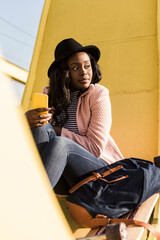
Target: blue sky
x,y
19,22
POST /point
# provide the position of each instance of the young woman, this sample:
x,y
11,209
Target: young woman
x,y
81,109
77,138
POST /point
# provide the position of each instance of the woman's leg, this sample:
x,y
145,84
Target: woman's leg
x,y
62,155
42,135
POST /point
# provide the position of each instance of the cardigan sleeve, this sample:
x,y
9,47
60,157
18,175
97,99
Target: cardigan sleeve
x,y
95,137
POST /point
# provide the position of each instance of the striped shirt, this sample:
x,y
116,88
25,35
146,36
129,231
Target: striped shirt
x,y
71,125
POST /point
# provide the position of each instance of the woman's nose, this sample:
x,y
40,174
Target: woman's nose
x,y
83,71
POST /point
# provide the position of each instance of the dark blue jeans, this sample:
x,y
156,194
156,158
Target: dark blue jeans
x,y
61,155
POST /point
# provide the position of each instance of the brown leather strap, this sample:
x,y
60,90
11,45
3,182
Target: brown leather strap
x,y
115,180
101,221
108,172
138,223
96,176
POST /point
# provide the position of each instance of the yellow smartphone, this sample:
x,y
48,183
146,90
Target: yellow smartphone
x,y
40,100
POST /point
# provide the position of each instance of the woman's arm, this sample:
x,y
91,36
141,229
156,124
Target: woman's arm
x,y
95,137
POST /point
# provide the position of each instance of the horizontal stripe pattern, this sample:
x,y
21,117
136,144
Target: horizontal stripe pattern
x,y
71,125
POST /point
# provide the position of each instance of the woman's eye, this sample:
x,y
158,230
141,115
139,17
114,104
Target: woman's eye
x,y
75,68
87,66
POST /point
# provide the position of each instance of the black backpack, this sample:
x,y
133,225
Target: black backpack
x,y
104,196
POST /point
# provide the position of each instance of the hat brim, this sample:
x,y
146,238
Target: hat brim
x,y
91,49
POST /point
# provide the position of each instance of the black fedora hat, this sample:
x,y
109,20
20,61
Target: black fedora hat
x,y
70,46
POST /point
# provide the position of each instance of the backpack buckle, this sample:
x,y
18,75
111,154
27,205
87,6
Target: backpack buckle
x,y
97,176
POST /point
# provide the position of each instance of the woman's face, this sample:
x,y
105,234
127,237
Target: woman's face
x,y
80,70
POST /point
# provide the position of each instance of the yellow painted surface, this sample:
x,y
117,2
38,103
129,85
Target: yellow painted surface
x,y
126,33
27,99
29,209
158,30
13,71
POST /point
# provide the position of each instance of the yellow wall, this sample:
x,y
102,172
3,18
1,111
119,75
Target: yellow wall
x,y
126,33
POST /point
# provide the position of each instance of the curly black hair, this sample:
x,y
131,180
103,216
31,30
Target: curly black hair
x,y
60,86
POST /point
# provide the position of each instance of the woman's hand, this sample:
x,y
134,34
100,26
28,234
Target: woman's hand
x,y
38,117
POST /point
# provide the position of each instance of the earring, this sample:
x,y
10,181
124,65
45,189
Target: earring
x,y
67,74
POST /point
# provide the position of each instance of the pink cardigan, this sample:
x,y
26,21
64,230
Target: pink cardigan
x,y
94,123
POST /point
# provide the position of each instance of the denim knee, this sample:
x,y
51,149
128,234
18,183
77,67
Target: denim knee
x,y
43,133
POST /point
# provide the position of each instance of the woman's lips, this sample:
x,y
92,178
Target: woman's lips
x,y
84,80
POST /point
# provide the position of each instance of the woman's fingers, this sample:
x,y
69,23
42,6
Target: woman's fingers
x,y
44,115
41,109
38,117
40,122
